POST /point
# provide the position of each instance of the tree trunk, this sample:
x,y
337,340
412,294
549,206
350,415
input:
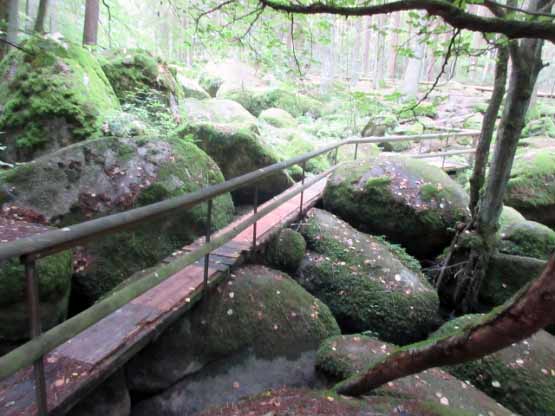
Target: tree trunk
x,y
522,316
412,74
392,61
4,17
90,31
41,16
366,50
488,126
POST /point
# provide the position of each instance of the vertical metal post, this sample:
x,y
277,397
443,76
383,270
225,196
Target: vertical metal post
x,y
443,162
420,147
302,192
255,210
335,156
33,309
356,150
207,257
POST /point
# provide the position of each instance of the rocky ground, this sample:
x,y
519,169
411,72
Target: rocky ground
x,y
87,136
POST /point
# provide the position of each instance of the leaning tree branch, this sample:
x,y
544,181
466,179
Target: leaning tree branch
x,y
453,15
530,310
517,9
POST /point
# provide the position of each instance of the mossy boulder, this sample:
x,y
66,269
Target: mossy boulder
x,y
544,126
531,187
344,356
104,176
123,124
521,377
238,150
407,200
54,282
278,118
190,87
52,93
527,238
286,250
140,79
379,125
289,143
258,100
216,111
368,284
506,275
260,314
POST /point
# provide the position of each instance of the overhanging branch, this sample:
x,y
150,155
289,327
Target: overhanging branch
x,y
453,15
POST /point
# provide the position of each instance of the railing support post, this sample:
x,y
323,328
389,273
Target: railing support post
x,y
302,192
356,151
255,210
33,309
335,155
207,256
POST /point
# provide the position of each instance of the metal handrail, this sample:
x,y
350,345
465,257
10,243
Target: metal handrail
x,y
31,248
61,239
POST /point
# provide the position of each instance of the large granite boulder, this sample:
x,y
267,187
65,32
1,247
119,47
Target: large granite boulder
x,y
239,150
521,377
369,284
407,200
105,176
278,118
344,356
143,80
257,331
52,93
531,187
216,111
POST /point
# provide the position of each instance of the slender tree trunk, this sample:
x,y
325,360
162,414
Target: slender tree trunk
x,y
412,73
392,61
366,50
522,316
4,18
41,16
488,126
90,31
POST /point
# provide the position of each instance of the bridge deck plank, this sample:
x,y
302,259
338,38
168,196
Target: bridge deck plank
x,y
76,367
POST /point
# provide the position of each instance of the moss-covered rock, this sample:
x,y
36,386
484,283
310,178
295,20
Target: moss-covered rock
x,y
544,126
258,100
286,250
216,111
379,125
122,124
344,356
407,200
260,311
290,143
190,87
510,216
238,150
137,77
527,238
531,187
54,281
278,118
506,275
52,94
521,377
105,176
368,284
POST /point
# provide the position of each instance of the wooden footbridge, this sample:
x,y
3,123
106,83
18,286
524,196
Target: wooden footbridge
x,y
54,370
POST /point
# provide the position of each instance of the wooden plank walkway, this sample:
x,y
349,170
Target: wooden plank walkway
x,y
76,367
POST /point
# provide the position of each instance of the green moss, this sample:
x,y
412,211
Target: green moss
x,y
363,283
529,239
257,101
400,198
267,308
278,118
512,376
286,250
54,281
56,80
544,126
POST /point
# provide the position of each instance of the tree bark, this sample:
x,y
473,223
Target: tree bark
x,y
41,16
488,126
394,45
412,73
528,312
90,31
